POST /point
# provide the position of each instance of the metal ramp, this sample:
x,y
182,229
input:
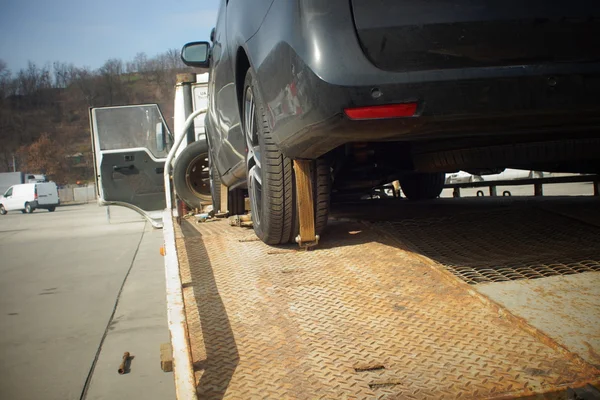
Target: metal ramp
x,y
359,317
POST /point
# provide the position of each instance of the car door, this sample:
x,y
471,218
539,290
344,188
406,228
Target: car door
x,y
131,144
9,200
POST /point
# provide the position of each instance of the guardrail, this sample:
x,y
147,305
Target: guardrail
x,y
537,183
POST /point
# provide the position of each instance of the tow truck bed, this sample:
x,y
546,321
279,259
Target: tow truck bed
x,y
390,308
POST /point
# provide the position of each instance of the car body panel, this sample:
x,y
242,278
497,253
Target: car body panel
x,y
237,20
400,35
311,64
47,194
39,195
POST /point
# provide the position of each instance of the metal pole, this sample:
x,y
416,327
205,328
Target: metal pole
x,y
173,151
188,108
14,164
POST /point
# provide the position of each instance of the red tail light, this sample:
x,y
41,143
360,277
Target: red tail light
x,y
384,111
35,196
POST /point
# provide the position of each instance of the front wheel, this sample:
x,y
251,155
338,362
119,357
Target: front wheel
x,y
422,186
271,178
2,210
28,208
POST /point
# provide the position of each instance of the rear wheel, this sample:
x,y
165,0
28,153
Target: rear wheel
x,y
28,208
422,186
2,210
51,209
271,176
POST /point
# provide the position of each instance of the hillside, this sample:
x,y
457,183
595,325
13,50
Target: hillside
x,y
44,123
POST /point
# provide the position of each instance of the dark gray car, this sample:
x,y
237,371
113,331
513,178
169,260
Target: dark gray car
x,y
380,90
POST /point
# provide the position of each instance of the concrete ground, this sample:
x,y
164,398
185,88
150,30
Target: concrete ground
x,y
62,275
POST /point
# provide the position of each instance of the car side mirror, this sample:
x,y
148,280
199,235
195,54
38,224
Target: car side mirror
x,y
196,54
161,142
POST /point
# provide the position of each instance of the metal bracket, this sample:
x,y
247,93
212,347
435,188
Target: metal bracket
x,y
241,220
306,245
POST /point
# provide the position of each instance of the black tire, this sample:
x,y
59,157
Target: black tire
x,y
236,196
2,210
28,208
422,186
236,203
51,209
191,175
215,185
271,176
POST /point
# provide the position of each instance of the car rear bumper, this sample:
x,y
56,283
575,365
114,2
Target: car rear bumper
x,y
47,205
311,72
307,118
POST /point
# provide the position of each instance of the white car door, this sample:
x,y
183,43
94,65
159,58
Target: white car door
x,y
131,145
9,200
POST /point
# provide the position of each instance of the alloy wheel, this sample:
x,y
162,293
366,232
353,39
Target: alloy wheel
x,y
253,157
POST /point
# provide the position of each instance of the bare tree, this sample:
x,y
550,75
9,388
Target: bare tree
x,y
33,79
63,74
84,79
5,80
111,73
174,60
140,62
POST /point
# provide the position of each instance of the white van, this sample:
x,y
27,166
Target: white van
x,y
29,196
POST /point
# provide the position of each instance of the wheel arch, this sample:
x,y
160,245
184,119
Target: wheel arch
x,y
242,65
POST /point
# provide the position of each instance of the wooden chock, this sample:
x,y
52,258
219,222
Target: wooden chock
x,y
305,200
224,199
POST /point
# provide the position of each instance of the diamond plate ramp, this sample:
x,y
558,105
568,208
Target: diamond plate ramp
x,y
357,318
505,244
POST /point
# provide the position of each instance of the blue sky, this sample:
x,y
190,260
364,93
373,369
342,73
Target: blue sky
x,y
87,33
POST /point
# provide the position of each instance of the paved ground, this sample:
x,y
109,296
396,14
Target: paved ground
x,y
62,273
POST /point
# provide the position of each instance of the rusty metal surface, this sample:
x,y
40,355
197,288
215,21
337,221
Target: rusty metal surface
x,y
357,318
566,308
505,244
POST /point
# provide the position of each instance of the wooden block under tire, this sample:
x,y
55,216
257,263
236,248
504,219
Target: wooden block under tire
x,y
304,195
